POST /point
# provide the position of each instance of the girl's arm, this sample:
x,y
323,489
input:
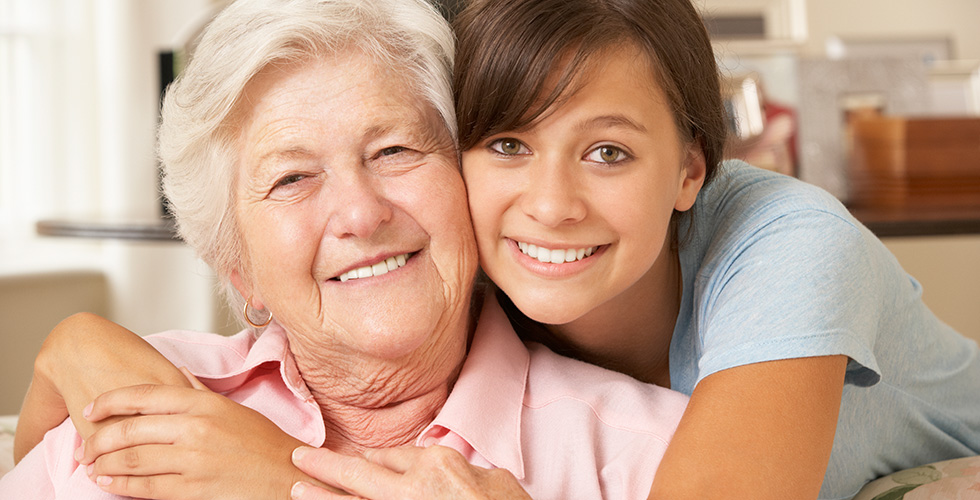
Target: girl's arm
x,y
761,431
220,448
84,356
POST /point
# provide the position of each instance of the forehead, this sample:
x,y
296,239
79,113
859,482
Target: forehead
x,y
578,68
623,65
299,87
342,96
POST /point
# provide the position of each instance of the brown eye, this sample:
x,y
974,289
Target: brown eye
x,y
508,146
607,154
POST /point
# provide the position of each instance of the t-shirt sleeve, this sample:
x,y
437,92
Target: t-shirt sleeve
x,y
799,285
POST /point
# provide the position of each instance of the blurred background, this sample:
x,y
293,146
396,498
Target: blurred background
x,y
876,101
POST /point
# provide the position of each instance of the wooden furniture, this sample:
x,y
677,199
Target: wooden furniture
x,y
914,163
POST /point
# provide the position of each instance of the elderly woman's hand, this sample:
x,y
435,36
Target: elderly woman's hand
x,y
405,472
188,444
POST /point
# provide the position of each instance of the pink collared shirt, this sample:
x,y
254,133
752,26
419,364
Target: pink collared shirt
x,y
564,428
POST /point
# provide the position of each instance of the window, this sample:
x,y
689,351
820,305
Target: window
x,y
47,136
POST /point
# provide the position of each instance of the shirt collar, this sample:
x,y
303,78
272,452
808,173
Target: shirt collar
x,y
484,407
225,364
230,360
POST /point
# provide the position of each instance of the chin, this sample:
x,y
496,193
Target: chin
x,y
394,340
546,311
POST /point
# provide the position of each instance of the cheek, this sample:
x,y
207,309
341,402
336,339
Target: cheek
x,y
488,192
639,211
458,220
279,242
436,199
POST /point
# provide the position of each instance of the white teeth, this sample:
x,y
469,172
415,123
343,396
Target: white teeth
x,y
558,256
383,267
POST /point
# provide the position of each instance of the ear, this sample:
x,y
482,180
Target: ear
x,y
245,289
692,178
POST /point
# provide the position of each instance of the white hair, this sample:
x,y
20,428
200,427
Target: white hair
x,y
197,136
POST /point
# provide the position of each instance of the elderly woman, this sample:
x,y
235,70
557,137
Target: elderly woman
x,y
309,159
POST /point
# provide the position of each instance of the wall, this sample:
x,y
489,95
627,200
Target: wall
x,y
811,22
887,18
948,268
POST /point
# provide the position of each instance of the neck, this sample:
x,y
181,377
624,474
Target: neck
x,y
379,403
631,333
353,427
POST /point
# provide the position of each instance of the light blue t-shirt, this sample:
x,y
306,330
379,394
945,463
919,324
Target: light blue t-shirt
x,y
775,268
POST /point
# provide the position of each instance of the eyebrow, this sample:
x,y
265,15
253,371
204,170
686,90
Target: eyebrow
x,y
608,121
285,154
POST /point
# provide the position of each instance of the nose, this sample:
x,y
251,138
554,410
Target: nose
x,y
552,194
359,206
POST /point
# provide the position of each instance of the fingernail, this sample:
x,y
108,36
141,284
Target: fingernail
x,y
299,453
80,452
88,410
89,469
296,492
103,480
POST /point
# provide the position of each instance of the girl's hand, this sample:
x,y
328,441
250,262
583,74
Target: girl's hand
x,y
187,443
406,472
84,356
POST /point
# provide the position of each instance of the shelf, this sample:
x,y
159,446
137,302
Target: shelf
x,y
147,230
886,222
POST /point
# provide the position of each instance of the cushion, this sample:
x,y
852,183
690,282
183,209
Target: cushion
x,y
7,426
957,479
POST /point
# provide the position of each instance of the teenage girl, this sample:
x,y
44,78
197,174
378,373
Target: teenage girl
x,y
592,138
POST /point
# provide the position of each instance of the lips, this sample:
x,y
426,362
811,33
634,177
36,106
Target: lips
x,y
379,268
555,255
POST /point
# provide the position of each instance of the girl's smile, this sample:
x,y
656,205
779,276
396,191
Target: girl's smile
x,y
555,262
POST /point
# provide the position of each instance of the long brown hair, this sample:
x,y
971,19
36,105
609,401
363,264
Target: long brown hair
x,y
507,49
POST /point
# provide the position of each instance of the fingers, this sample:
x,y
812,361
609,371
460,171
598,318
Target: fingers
x,y
397,459
307,491
352,474
141,400
127,433
195,383
160,486
145,460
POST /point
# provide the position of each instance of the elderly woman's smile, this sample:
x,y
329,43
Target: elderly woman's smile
x,y
377,269
353,216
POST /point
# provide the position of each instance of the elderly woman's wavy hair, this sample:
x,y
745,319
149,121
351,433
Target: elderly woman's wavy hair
x,y
198,136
